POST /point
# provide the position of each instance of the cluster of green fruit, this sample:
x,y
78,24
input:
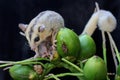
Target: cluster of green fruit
x,y
76,53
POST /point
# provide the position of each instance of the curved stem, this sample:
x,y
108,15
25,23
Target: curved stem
x,y
73,65
27,61
115,47
104,50
6,61
112,49
9,64
47,69
55,77
64,74
104,47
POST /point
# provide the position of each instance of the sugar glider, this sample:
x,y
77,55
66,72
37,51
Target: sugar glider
x,y
41,32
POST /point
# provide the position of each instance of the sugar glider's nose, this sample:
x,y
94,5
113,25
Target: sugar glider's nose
x,y
33,48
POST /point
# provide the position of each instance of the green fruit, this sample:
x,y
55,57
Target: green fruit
x,y
23,72
95,69
88,47
68,43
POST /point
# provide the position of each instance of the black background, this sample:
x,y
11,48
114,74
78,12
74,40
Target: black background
x,y
75,12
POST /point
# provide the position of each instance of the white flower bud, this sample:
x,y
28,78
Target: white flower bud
x,y
106,21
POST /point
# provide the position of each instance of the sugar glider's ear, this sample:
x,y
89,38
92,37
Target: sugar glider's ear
x,y
23,27
41,28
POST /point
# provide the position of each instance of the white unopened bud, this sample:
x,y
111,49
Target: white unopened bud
x,y
106,21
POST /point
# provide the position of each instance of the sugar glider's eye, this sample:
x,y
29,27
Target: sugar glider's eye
x,y
36,39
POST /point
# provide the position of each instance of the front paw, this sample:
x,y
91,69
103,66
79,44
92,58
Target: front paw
x,y
54,45
36,55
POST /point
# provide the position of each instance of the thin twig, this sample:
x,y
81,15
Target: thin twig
x,y
53,76
115,47
63,74
104,47
113,52
6,61
7,68
73,65
27,61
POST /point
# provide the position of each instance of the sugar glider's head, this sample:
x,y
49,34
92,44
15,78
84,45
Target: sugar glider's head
x,y
41,27
33,34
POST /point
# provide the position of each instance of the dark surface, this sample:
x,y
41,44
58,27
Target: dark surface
x,y
75,12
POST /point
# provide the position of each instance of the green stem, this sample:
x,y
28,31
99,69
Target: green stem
x,y
117,54
47,69
64,74
55,77
115,47
104,47
113,51
35,63
25,63
28,61
104,55
73,65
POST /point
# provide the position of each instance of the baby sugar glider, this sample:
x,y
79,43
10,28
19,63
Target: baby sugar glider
x,y
41,32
